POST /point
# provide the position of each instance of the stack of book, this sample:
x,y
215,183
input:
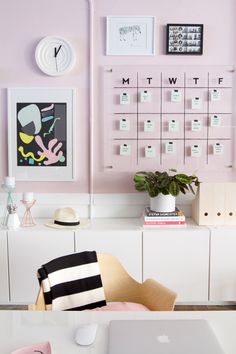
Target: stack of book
x,y
154,219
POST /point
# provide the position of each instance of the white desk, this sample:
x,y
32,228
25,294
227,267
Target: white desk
x,y
21,328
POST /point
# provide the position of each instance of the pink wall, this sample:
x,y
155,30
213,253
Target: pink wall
x,y
23,23
219,28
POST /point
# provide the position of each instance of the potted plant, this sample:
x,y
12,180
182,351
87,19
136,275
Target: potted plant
x,y
163,187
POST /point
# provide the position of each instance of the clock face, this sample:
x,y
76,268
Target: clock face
x,y
54,56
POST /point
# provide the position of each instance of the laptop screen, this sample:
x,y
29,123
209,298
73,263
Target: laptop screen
x,y
162,337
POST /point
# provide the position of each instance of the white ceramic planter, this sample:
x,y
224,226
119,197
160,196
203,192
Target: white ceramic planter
x,y
163,203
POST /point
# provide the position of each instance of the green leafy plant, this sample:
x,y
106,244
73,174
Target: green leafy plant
x,y
166,183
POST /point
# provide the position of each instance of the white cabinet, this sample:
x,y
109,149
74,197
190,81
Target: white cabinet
x,y
198,262
4,286
223,264
28,250
178,258
122,238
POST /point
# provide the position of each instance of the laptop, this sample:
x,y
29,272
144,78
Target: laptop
x,y
162,337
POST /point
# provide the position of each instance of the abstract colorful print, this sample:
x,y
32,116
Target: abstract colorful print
x,y
41,134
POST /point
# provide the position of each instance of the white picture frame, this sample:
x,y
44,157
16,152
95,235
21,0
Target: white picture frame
x,y
130,35
40,133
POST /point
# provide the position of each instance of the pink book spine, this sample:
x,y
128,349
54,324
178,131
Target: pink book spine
x,y
164,223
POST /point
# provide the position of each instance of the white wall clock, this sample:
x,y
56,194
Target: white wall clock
x,y
54,55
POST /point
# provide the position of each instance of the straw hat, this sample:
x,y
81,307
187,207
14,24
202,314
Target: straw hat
x,y
65,219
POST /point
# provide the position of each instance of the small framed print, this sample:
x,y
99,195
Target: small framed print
x,y
130,35
40,133
184,39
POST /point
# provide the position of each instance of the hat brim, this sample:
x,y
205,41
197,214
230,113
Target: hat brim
x,y
83,224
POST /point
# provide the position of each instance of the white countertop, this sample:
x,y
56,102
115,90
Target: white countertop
x,y
119,224
22,328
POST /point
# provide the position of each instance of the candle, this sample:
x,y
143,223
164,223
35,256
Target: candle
x,y
9,181
28,196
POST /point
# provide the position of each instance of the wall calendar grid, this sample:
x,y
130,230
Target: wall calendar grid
x,y
158,117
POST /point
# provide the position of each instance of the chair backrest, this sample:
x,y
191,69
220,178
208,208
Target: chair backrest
x,y
119,286
117,283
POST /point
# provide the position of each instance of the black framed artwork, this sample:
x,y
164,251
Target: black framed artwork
x,y
184,39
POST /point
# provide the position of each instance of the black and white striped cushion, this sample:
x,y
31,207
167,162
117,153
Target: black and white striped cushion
x,y
72,282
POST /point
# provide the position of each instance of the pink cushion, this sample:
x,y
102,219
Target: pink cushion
x,y
122,306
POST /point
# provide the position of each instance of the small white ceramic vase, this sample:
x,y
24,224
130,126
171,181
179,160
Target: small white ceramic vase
x,y
163,203
13,221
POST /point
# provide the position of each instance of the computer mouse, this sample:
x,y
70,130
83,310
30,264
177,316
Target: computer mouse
x,y
85,334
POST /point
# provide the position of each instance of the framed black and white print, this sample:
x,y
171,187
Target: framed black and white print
x,y
130,35
40,133
184,39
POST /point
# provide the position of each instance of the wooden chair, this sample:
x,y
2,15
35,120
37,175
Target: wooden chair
x,y
119,286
